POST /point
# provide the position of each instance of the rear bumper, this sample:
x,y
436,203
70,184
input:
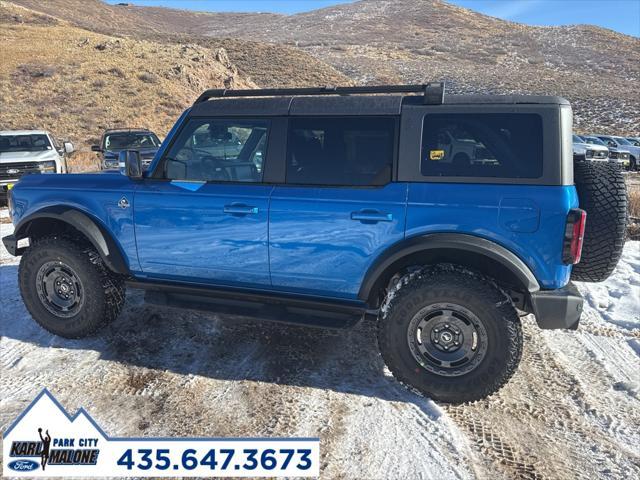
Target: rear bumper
x,y
555,309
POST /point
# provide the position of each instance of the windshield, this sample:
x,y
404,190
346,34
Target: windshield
x,y
623,141
133,140
594,140
24,143
577,139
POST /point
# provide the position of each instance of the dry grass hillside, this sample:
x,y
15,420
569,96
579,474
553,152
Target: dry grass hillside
x,y
76,83
385,41
268,64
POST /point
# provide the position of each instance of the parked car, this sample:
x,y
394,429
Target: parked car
x,y
117,140
622,144
356,211
615,155
583,150
29,151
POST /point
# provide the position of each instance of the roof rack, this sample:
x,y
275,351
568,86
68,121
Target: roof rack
x,y
433,92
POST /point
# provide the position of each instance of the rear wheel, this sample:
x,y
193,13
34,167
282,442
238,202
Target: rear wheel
x,y
450,334
67,289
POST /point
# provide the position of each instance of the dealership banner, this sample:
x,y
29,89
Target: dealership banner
x,y
45,441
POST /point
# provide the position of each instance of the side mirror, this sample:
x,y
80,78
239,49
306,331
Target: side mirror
x,y
68,147
96,148
611,144
130,164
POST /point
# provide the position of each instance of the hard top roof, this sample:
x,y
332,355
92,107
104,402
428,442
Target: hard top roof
x,y
128,130
382,100
354,105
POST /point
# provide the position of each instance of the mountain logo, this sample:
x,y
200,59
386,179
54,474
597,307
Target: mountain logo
x,y
45,439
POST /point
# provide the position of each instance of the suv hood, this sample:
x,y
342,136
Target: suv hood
x,y
619,150
592,146
635,151
41,156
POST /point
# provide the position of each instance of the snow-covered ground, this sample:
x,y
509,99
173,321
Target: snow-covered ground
x,y
571,411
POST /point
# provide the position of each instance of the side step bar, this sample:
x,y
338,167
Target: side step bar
x,y
257,306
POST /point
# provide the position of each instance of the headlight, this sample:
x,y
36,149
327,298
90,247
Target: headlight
x,y
47,167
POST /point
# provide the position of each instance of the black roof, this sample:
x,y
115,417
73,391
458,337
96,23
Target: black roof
x,y
382,100
128,130
346,105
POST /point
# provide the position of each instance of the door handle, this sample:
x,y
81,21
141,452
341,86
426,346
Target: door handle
x,y
239,209
371,216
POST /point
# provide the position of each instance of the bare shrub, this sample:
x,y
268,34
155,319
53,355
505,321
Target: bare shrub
x,y
634,203
35,70
83,161
633,229
116,72
148,77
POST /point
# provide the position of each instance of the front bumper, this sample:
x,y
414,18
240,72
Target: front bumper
x,y
621,162
555,309
8,181
11,244
4,186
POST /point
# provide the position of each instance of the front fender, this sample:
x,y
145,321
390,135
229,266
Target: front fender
x,y
88,226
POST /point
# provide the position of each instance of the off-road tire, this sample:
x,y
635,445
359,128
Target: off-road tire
x,y
451,285
603,195
103,291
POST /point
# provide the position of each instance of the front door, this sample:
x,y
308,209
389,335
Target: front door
x,y
203,217
338,210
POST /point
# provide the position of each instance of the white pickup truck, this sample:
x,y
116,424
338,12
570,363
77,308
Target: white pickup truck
x,y
24,152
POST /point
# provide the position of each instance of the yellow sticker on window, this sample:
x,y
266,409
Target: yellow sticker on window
x,y
436,154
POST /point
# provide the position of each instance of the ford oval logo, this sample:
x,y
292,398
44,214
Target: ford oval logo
x,y
13,171
23,465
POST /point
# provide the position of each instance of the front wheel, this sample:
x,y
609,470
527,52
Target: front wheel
x,y
67,289
451,334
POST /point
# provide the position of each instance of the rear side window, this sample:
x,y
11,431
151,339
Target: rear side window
x,y
342,151
499,145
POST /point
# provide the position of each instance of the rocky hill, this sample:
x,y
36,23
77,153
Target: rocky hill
x,y
391,41
76,82
267,63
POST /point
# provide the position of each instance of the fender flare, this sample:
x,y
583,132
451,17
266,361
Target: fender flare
x,y
91,228
446,241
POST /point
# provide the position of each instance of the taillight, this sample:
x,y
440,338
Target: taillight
x,y
573,236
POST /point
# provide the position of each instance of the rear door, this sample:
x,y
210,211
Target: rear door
x,y
205,219
338,209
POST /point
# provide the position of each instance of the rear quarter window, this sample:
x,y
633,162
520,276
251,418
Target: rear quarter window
x,y
494,145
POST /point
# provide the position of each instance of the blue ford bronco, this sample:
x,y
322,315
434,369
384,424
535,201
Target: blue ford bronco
x,y
442,219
